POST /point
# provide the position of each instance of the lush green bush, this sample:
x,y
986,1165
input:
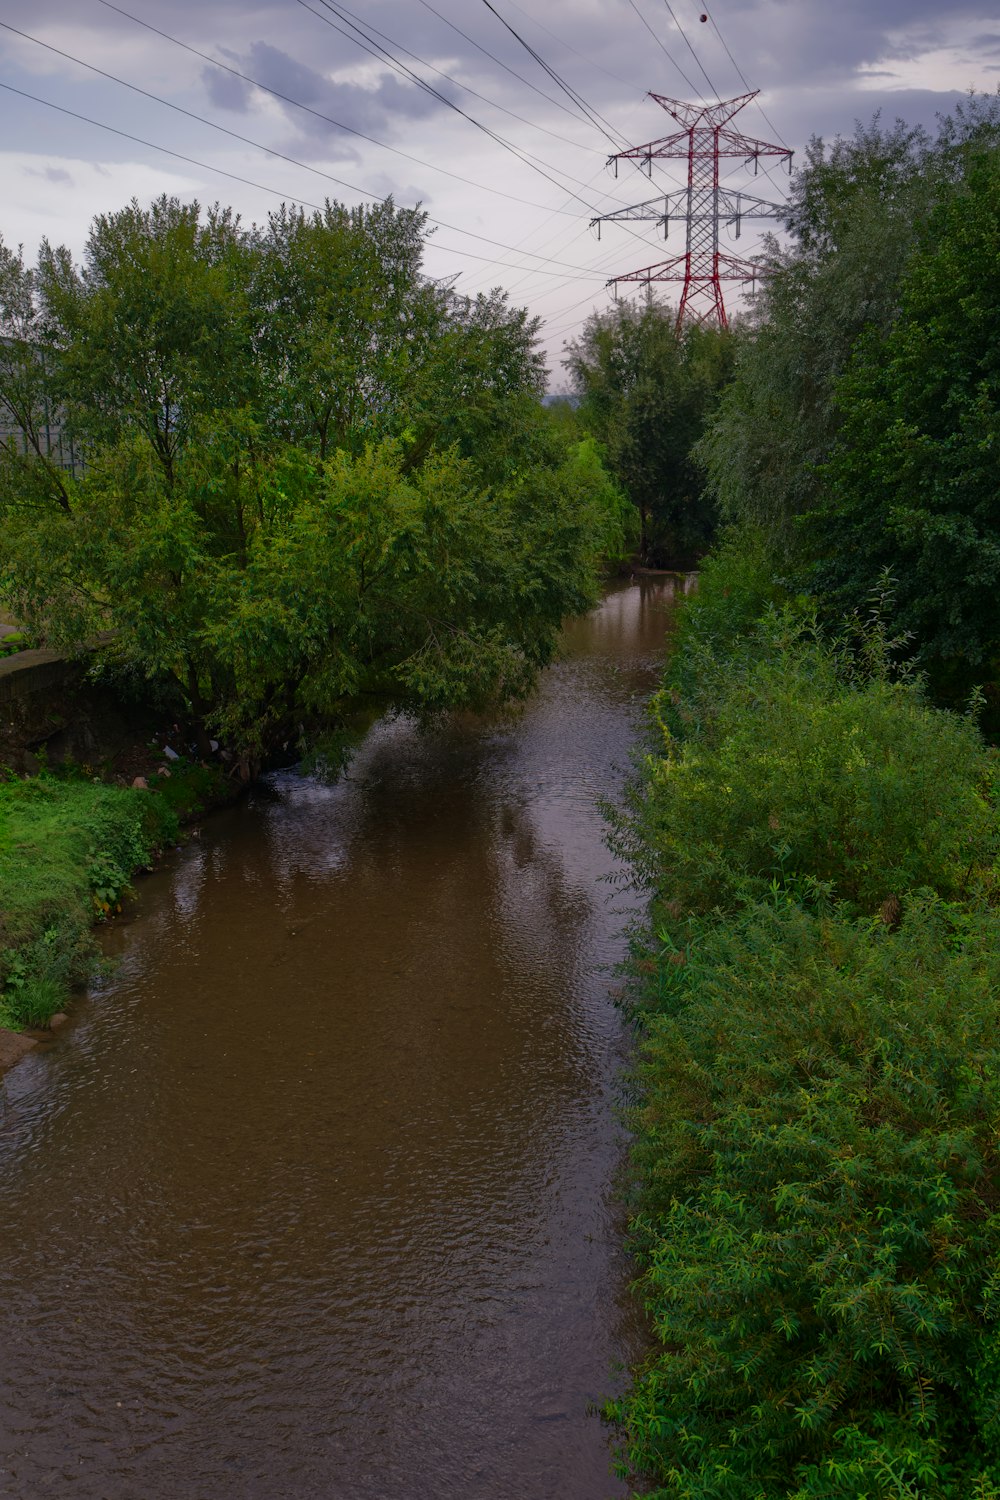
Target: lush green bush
x,y
68,850
817,1191
815,1177
791,762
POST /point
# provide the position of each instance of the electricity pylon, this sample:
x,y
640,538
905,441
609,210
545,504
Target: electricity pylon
x,y
703,141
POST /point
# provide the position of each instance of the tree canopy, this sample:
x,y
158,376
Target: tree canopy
x,y
312,476
857,434
646,393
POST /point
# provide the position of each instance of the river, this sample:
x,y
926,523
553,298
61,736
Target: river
x,y
312,1198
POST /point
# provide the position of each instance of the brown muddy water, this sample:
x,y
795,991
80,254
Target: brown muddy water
x,y
312,1199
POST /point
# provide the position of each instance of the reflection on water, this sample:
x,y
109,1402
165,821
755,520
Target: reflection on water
x,y
311,1199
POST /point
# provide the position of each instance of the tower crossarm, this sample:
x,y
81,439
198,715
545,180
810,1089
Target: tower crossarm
x,y
726,268
732,143
734,207
712,115
730,205
701,140
663,149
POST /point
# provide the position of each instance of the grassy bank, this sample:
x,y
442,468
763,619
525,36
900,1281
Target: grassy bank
x,y
68,851
815,1186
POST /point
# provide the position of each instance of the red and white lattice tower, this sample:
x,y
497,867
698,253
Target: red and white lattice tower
x,y
703,141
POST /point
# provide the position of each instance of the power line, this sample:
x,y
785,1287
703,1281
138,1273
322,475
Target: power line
x,y
525,157
690,48
715,91
499,61
318,114
743,78
246,140
167,150
375,50
538,227
570,48
669,55
593,116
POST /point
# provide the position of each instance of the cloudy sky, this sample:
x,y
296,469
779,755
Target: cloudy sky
x,y
498,116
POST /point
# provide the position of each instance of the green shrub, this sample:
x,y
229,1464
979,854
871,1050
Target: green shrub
x,y
191,788
817,1193
793,766
68,850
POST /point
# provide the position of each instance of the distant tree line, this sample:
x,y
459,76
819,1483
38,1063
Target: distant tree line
x,y
646,394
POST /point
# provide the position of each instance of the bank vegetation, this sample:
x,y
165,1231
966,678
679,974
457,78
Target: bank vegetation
x,y
815,1178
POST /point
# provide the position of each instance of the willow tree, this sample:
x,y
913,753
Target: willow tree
x,y
312,477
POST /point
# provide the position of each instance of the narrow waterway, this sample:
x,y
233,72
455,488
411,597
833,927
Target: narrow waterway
x,y
311,1200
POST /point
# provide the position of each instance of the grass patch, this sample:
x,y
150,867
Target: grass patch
x,y
68,851
11,644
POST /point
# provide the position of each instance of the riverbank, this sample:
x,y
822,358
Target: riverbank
x,y
71,846
817,1100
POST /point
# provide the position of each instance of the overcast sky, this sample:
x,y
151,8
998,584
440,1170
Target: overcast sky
x,y
507,163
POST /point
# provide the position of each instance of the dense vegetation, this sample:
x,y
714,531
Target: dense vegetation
x,y
312,477
859,433
646,395
817,1106
815,1185
68,852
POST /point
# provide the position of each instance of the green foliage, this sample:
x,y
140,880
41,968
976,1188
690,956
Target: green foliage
x,y
68,850
857,211
852,217
817,1103
11,644
913,480
816,1106
311,476
646,394
191,789
816,1211
737,582
795,767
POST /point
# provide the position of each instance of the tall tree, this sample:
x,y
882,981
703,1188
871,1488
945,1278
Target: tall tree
x,y
913,482
310,475
646,393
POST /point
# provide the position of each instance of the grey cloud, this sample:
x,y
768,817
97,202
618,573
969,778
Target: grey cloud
x,y
57,175
224,90
828,113
334,110
278,71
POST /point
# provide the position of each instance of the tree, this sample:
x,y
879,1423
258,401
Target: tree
x,y
856,213
646,393
29,435
342,317
311,476
913,479
851,219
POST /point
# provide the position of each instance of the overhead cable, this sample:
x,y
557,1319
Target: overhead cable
x,y
571,272
525,157
363,40
499,61
318,114
595,119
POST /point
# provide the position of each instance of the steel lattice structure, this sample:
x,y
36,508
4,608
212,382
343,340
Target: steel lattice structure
x,y
703,141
